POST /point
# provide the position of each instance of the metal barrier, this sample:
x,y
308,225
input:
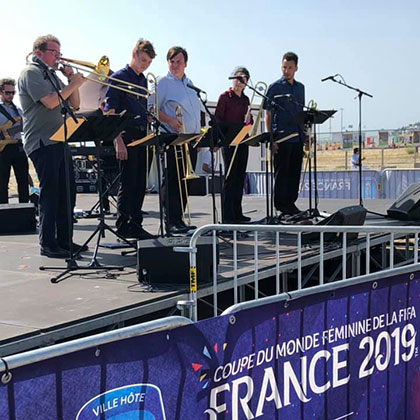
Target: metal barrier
x,y
368,236
287,297
11,362
388,183
330,184
395,181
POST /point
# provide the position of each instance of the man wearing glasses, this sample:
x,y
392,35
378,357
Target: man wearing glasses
x,y
12,156
41,119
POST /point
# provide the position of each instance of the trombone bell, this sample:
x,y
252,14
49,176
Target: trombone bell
x,y
101,69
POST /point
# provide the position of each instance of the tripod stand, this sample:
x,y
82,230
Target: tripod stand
x,y
110,185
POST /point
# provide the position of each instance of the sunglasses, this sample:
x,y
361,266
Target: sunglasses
x,y
9,92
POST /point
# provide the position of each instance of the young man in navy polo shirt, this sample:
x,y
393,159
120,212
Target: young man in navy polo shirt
x,y
133,159
288,155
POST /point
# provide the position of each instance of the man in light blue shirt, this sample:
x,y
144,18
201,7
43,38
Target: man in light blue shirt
x,y
179,111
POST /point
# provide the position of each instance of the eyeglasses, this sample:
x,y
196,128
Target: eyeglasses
x,y
9,92
54,52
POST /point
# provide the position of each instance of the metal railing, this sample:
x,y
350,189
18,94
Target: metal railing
x,y
303,255
287,297
22,359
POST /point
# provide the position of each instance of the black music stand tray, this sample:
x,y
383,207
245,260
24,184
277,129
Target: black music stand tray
x,y
102,129
312,117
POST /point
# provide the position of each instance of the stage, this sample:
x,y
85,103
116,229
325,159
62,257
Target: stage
x,y
35,312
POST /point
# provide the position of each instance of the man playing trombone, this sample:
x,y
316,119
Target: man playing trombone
x,y
133,159
42,117
174,94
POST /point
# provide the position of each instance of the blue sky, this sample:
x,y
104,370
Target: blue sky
x,y
373,44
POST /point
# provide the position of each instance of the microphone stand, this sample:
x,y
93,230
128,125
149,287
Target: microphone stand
x,y
360,94
65,110
214,142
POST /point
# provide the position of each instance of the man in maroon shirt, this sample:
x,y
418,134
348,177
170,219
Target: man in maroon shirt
x,y
233,109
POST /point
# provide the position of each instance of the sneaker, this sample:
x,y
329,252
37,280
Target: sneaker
x,y
181,223
176,229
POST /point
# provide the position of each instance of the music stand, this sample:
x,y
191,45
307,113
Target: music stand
x,y
160,141
312,117
102,129
212,138
267,138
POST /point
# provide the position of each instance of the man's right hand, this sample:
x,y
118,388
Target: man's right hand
x,y
175,124
76,80
120,148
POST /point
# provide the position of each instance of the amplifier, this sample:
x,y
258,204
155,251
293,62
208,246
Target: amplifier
x,y
157,262
17,218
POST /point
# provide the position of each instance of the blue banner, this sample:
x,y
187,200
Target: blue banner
x,y
351,353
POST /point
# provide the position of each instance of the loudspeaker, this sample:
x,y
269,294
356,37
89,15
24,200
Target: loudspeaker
x,y
157,262
17,218
407,206
347,216
197,186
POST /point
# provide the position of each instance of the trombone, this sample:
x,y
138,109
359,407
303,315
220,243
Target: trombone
x,y
151,78
187,167
101,70
261,86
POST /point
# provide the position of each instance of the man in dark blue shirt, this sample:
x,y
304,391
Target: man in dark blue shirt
x,y
133,159
288,154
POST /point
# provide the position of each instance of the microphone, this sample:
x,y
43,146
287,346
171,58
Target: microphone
x,y
240,78
47,69
198,90
328,78
36,60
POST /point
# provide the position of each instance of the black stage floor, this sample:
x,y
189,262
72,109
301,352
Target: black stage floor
x,y
35,312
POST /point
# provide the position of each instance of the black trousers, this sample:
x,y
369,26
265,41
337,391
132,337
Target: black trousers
x,y
174,207
132,189
53,210
287,167
14,157
233,185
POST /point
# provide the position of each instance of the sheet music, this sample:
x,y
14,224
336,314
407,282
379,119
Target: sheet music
x,y
241,135
72,126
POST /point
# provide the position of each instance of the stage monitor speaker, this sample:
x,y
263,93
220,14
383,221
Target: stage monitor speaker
x,y
407,206
197,186
157,262
347,216
17,218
